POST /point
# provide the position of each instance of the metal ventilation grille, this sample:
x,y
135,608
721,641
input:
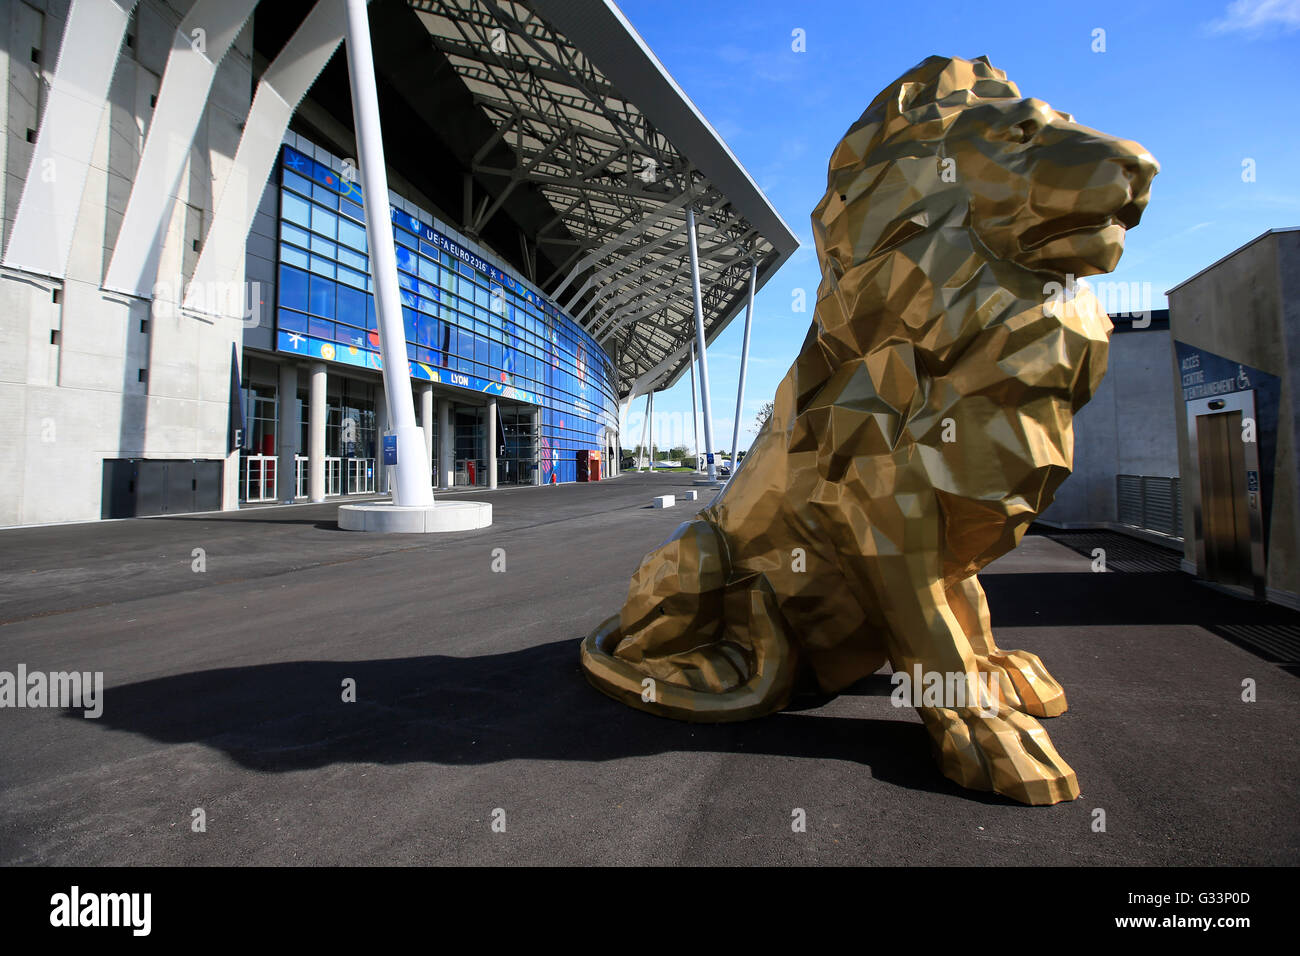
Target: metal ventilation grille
x,y
1128,495
1151,503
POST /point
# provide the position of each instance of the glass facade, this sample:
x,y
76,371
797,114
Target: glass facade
x,y
469,325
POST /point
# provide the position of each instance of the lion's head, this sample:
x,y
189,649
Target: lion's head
x,y
952,143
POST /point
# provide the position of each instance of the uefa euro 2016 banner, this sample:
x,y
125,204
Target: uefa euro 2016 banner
x,y
364,358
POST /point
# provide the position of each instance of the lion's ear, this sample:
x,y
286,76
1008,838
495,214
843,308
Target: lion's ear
x,y
908,93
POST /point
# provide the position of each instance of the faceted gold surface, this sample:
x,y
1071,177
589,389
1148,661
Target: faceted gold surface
x,y
926,421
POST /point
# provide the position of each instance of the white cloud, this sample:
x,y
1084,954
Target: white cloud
x,y
1258,16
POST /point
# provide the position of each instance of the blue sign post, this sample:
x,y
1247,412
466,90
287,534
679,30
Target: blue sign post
x,y
390,449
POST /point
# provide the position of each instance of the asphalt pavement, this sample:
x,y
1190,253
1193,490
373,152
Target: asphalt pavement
x,y
226,642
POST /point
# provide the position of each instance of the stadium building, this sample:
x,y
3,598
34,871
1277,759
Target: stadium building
x,y
186,306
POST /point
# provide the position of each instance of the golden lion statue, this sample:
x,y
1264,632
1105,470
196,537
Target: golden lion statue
x,y
925,423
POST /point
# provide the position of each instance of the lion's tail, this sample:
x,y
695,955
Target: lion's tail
x,y
771,661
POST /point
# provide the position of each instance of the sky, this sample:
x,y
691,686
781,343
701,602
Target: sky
x,y
1204,85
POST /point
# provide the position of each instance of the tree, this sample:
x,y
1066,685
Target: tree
x,y
764,413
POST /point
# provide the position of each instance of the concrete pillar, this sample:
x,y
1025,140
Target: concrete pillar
x,y
650,416
412,487
286,440
383,425
316,431
695,414
701,346
446,451
492,444
426,421
744,362
645,426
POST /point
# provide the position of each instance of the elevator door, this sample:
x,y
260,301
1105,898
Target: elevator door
x,y
1225,519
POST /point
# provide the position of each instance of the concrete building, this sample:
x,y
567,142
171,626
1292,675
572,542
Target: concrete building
x,y
1193,439
1126,474
1236,330
186,309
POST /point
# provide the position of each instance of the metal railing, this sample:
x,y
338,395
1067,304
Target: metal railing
x,y
259,477
302,482
361,476
333,476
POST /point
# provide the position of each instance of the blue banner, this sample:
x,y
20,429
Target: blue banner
x,y
301,344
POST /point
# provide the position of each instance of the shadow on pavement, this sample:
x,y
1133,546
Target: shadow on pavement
x,y
1087,599
529,704
534,704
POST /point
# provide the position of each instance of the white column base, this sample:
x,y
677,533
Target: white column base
x,y
385,517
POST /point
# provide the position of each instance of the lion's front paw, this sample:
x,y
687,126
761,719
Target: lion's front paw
x,y
1024,683
1009,753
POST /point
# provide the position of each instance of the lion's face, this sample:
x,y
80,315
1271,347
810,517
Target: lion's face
x,y
1046,192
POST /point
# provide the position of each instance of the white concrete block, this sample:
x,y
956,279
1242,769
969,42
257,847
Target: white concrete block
x,y
690,495
665,501
384,517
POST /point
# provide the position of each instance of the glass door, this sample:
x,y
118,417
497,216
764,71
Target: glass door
x,y
470,445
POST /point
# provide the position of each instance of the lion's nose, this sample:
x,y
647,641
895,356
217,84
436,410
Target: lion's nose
x,y
1139,166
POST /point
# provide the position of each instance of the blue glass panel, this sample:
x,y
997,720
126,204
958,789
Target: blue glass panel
x,y
296,160
323,174
293,321
352,235
324,222
428,331
410,323
352,209
370,312
325,197
351,306
322,329
408,299
293,256
293,288
323,246
291,233
322,266
480,349
406,260
353,259
294,181
350,336
352,277
295,209
494,355
322,297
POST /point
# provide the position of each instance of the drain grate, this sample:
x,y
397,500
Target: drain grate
x,y
1122,552
1279,643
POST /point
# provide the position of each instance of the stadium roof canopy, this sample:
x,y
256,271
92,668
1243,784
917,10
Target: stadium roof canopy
x,y
584,116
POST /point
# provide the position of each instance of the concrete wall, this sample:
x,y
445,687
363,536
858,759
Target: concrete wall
x,y
1246,308
1127,429
73,402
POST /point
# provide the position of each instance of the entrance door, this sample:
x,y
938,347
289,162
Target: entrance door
x,y
470,444
1225,518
